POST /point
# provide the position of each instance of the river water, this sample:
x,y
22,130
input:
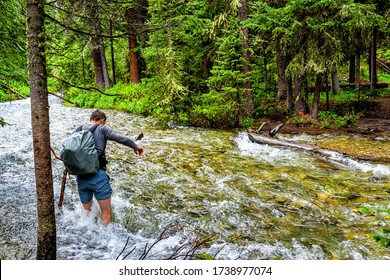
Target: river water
x,y
251,201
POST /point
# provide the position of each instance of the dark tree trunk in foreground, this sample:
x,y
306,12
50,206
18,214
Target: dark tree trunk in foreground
x,y
46,243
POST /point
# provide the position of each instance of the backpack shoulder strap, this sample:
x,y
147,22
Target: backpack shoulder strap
x,y
93,128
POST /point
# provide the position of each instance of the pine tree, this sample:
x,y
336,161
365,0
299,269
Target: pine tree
x,y
46,243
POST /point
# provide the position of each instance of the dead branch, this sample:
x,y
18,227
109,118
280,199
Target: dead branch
x,y
185,251
80,87
124,247
219,251
261,127
55,154
81,31
275,130
56,95
166,233
13,91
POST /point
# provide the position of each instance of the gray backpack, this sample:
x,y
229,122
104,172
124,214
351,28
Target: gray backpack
x,y
79,153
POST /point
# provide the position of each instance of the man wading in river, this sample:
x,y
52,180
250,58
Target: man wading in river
x,y
98,185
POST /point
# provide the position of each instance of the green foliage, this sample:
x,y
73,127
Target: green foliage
x,y
214,111
373,211
205,256
268,109
13,53
191,55
19,86
383,238
3,122
328,118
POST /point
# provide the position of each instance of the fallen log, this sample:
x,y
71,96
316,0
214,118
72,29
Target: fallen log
x,y
366,84
328,153
262,139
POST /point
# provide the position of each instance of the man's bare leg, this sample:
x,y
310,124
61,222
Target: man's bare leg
x,y
105,209
88,205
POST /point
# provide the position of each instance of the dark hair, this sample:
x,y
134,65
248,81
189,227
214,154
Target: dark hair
x,y
97,116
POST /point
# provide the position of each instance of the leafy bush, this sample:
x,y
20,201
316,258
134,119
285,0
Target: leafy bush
x,y
328,118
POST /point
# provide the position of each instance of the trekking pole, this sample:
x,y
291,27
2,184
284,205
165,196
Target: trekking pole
x,y
63,179
62,188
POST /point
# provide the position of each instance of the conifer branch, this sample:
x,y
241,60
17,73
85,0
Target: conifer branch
x,y
83,88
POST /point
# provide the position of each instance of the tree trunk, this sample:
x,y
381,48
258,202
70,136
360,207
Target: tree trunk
x,y
357,70
335,82
266,73
373,72
98,52
282,63
135,75
352,69
112,55
46,237
247,85
289,100
317,95
97,64
300,104
104,64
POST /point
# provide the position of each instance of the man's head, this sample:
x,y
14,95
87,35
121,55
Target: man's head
x,y
98,116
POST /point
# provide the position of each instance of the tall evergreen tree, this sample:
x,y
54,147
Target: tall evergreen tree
x,y
46,243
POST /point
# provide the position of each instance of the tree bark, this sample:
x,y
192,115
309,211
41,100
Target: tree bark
x,y
282,63
135,75
357,70
352,69
373,55
97,64
335,82
247,85
300,105
317,95
98,51
46,238
112,55
136,15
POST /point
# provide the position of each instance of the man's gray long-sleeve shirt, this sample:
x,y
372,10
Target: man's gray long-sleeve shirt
x,y
104,133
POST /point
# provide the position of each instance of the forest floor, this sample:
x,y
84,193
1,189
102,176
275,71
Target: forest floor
x,y
374,123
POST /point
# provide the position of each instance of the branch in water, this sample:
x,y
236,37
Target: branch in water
x,y
187,250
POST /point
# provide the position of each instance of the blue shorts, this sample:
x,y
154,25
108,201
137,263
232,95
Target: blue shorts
x,y
97,185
